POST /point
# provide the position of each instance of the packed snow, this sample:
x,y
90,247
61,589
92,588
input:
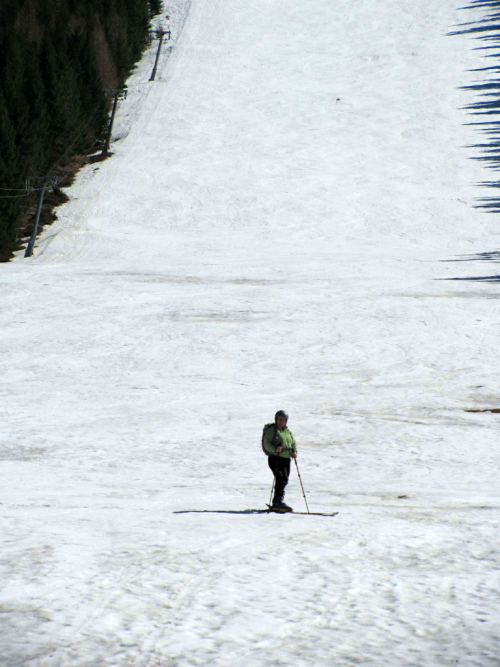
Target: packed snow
x,y
287,222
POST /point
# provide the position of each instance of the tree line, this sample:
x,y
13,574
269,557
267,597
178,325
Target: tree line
x,y
56,57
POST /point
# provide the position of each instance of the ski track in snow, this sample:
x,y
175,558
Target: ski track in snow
x,y
276,229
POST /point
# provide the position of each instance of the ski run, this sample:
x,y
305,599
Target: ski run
x,y
288,221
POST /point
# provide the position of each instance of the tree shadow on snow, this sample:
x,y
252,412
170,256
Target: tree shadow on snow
x,y
479,257
483,279
487,31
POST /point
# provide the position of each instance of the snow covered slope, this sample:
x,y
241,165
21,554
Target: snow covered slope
x,y
287,223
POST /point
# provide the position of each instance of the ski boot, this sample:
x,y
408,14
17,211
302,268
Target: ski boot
x,y
280,506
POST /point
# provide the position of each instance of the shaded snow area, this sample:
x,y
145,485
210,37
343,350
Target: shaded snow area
x,y
288,222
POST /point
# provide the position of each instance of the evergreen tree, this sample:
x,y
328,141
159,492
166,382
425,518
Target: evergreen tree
x,y
52,104
155,7
9,178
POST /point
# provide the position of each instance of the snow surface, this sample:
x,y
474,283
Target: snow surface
x,y
283,225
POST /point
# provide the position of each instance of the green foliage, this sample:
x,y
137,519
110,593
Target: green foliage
x,y
56,56
9,167
155,7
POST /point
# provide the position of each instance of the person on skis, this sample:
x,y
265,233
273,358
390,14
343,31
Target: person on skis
x,y
279,444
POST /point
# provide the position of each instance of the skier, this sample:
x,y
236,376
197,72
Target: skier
x,y
280,447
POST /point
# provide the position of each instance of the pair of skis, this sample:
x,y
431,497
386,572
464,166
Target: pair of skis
x,y
278,511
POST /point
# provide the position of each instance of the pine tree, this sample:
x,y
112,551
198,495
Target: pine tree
x,y
51,99
10,177
155,7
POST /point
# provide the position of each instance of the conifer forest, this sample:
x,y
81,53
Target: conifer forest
x,y
56,59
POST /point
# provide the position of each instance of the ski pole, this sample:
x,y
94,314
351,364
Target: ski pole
x,y
274,484
272,491
300,478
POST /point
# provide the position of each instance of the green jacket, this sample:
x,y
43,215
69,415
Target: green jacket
x,y
284,438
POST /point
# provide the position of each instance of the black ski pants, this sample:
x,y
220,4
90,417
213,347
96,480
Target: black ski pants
x,y
281,471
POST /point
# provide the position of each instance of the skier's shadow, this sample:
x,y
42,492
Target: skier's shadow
x,y
221,512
